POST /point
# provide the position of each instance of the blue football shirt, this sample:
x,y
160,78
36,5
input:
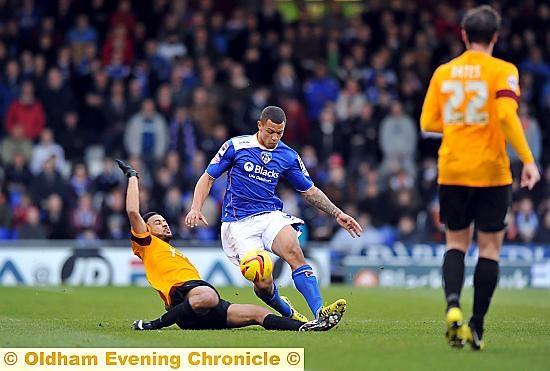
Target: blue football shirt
x,y
253,172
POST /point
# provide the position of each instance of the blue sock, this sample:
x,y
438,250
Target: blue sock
x,y
275,302
306,282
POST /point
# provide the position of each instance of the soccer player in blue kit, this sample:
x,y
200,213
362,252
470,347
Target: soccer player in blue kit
x,y
251,213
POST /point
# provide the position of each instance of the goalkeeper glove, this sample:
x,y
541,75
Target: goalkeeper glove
x,y
127,169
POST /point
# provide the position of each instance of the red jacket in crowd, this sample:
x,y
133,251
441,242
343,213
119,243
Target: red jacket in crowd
x,y
30,116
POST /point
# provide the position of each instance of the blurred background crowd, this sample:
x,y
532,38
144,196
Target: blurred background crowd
x,y
164,83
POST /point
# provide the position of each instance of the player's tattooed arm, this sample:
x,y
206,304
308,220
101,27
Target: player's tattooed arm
x,y
317,198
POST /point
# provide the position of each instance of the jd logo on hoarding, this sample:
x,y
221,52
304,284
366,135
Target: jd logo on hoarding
x,y
87,267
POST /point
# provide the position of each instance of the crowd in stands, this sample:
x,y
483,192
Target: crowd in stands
x,y
165,83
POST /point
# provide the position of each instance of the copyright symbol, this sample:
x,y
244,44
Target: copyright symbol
x,y
10,358
293,358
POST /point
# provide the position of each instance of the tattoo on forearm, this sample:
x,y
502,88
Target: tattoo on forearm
x,y
322,202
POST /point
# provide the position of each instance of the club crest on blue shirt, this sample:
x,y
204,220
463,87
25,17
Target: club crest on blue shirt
x,y
266,157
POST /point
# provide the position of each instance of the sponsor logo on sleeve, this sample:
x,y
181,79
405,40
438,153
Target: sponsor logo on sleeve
x,y
223,148
216,159
302,167
513,82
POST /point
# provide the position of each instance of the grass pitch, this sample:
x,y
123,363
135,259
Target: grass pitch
x,y
383,329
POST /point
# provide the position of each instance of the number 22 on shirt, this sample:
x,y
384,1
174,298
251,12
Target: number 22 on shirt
x,y
466,102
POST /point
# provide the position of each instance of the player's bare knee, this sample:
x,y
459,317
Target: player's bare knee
x,y
203,298
489,252
201,304
489,244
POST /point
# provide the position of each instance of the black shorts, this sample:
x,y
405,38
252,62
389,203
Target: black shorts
x,y
214,320
485,206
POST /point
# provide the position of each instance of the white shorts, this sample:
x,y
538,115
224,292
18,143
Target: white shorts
x,y
255,232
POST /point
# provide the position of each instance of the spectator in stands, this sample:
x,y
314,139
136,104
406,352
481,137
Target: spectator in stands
x,y
203,112
15,142
171,47
195,169
21,208
47,182
123,16
38,77
536,65
95,98
398,140
17,175
27,111
79,181
118,41
116,69
117,112
210,84
73,138
80,36
181,95
527,221
84,216
172,205
146,134
26,61
56,219
183,138
200,44
320,90
253,107
165,105
45,150
160,66
175,168
58,98
236,90
47,47
113,214
404,201
407,231
115,228
286,84
10,86
163,181
371,201
326,134
32,228
350,101
64,62
361,137
108,178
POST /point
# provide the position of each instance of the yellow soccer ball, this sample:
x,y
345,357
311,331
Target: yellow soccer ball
x,y
256,265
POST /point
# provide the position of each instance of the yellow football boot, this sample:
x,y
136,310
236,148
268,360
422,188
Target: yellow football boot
x,y
338,306
472,337
456,329
295,314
